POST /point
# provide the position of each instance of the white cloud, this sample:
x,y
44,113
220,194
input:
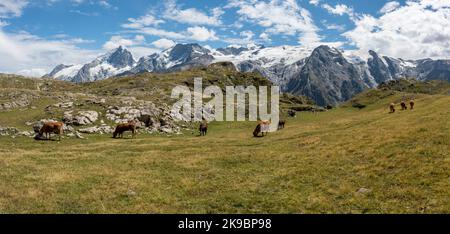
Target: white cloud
x,y
136,45
163,43
160,32
265,37
12,8
420,29
279,17
104,4
341,9
247,34
116,41
201,34
390,6
143,21
28,54
192,16
3,24
338,27
140,51
314,2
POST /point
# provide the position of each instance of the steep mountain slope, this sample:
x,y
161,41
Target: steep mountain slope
x,y
327,77
177,58
110,64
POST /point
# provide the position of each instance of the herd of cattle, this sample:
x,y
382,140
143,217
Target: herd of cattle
x,y
262,128
57,128
403,106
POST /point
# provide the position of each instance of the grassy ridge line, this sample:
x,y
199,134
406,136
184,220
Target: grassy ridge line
x,y
316,165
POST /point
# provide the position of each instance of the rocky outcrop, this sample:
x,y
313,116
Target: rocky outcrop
x,y
80,118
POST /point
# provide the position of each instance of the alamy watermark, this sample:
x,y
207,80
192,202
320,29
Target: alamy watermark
x,y
190,106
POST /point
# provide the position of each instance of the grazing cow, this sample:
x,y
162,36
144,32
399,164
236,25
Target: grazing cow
x,y
292,113
392,108
263,127
121,128
281,124
404,107
52,127
203,128
411,104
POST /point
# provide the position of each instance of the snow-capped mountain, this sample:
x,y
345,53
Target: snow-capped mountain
x,y
328,75
110,64
178,57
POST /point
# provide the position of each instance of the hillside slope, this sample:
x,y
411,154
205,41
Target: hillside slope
x,y
25,101
346,160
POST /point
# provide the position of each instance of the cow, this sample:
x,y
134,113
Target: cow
x,y
203,128
52,127
292,113
121,128
404,107
263,127
411,104
392,108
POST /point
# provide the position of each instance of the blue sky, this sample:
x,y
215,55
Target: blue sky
x,y
37,35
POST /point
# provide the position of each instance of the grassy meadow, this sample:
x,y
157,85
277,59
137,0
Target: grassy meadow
x,y
344,160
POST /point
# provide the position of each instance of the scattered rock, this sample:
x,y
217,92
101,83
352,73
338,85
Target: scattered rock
x,y
363,190
78,135
64,105
131,192
104,129
8,131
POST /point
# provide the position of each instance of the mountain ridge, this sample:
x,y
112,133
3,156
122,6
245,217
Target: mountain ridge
x,y
326,74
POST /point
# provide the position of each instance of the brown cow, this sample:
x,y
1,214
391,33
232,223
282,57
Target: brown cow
x,y
203,128
52,127
392,108
121,128
411,104
262,127
404,107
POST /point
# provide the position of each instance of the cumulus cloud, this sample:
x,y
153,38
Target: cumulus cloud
x,y
12,8
331,26
279,17
201,34
341,9
3,24
116,41
265,37
314,2
31,55
192,16
420,29
163,43
390,6
143,21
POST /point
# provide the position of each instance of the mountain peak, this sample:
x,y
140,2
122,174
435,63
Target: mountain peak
x,y
121,58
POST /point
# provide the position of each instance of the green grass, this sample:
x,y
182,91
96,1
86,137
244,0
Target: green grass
x,y
315,165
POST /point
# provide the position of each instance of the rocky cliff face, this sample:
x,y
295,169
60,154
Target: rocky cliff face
x,y
327,77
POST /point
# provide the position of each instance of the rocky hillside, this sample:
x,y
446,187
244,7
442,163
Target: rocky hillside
x,y
96,107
